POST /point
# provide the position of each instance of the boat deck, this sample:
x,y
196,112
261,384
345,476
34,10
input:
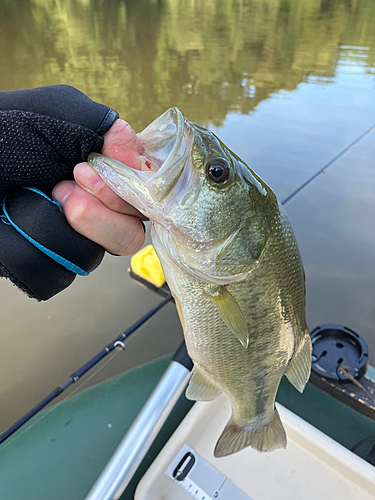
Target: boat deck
x,y
62,451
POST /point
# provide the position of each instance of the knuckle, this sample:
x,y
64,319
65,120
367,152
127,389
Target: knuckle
x,y
77,212
131,240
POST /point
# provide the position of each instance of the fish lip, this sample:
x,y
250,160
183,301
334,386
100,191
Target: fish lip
x,y
174,115
161,183
168,160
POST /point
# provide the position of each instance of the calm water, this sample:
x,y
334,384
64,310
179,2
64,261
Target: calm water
x,y
288,85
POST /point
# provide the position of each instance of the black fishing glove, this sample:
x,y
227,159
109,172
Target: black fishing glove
x,y
44,133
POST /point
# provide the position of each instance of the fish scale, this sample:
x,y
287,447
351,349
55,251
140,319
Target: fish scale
x,y
212,346
232,263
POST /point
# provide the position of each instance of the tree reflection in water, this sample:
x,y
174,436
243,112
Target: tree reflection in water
x,y
206,57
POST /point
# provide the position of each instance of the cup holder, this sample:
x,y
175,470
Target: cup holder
x,y
335,346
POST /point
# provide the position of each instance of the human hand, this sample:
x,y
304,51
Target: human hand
x,y
93,209
44,133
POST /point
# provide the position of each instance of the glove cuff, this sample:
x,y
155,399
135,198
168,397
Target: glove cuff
x,y
40,252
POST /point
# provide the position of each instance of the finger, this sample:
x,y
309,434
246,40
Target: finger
x,y
122,144
118,233
90,181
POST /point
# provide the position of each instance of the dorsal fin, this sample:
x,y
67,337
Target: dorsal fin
x,y
298,371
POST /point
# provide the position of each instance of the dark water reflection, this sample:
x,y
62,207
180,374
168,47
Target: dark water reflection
x,y
207,57
286,84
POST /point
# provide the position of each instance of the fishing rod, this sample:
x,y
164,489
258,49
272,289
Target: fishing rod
x,y
116,343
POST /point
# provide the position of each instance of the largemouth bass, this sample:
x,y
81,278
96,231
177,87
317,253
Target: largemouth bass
x,y
232,263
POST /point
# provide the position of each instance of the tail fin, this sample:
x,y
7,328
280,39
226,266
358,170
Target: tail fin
x,y
235,437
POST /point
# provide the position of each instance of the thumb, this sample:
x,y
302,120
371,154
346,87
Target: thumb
x,y
121,143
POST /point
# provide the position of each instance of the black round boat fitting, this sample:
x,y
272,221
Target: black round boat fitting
x,y
338,350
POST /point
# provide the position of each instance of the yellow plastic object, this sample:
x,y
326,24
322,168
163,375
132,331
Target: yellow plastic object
x,y
146,265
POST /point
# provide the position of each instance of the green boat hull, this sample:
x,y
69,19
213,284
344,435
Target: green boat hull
x,y
60,453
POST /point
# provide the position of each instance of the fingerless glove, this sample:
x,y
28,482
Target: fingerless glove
x,y
44,133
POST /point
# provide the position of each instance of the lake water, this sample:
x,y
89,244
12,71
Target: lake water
x,y
288,85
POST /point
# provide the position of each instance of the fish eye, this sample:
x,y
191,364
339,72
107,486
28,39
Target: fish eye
x,y
218,170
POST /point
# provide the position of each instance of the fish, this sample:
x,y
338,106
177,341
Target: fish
x,y
232,262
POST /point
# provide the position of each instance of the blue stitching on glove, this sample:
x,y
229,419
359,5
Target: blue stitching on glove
x,y
37,191
67,264
5,220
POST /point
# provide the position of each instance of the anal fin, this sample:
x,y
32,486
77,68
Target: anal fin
x,y
298,371
236,437
230,312
200,388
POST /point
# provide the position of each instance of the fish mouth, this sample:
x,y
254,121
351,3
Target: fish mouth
x,y
167,143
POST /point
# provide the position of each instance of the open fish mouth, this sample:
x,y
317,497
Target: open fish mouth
x,y
167,142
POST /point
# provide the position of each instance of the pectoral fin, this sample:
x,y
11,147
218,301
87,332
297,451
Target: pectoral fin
x,y
200,388
230,312
298,371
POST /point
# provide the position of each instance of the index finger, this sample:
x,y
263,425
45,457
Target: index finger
x,y
90,181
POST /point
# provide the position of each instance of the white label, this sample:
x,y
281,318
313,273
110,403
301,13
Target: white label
x,y
200,479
